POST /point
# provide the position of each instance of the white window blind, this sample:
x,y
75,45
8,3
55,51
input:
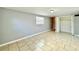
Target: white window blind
x,y
39,20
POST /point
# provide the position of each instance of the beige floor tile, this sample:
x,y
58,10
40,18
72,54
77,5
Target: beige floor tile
x,y
13,47
21,43
25,48
4,48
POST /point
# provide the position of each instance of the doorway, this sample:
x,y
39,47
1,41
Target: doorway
x,y
53,23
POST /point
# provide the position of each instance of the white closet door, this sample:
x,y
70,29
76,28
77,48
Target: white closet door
x,y
66,24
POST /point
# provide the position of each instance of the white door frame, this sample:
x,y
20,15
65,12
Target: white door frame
x,y
72,24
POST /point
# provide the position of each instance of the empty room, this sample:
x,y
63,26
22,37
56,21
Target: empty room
x,y
39,29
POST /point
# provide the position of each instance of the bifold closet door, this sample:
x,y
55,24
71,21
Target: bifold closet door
x,y
76,25
65,24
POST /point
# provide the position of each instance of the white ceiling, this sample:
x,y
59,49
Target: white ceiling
x,y
45,11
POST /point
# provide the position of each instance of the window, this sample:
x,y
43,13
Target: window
x,y
39,20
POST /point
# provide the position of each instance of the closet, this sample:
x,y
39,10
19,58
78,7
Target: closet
x,y
65,24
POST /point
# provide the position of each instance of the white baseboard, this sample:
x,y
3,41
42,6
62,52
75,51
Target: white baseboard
x,y
76,35
22,38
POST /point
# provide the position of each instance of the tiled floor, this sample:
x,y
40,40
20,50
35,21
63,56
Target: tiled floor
x,y
49,41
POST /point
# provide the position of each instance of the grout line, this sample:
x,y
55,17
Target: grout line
x,y
8,48
18,46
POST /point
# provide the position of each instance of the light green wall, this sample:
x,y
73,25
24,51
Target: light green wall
x,y
76,25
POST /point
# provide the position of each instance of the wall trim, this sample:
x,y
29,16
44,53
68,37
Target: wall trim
x,y
22,38
72,24
57,24
76,35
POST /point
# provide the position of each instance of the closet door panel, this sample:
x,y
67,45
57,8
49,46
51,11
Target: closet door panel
x,y
65,24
